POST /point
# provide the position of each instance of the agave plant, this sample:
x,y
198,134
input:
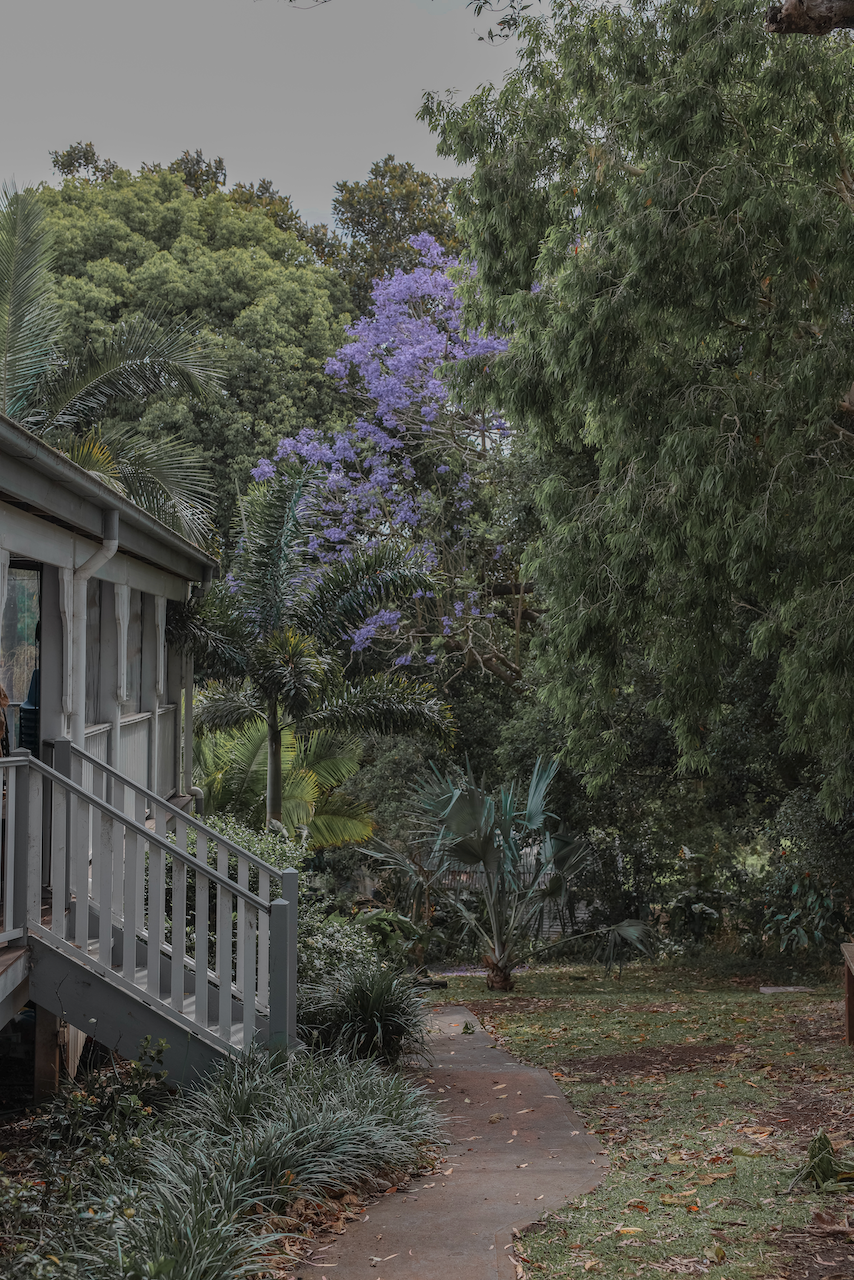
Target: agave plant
x,y
231,769
61,400
506,840
276,634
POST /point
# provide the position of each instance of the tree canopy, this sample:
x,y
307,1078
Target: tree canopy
x,y
126,242
661,216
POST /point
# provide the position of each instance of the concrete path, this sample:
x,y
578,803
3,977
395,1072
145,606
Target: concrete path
x,y
517,1149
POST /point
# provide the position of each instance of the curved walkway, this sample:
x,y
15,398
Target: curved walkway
x,y
517,1150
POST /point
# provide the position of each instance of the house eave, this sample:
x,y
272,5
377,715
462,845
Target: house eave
x,y
47,482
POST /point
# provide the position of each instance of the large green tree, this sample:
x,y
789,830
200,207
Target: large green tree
x,y
124,243
64,398
379,216
661,215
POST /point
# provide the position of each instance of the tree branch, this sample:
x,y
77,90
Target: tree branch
x,y
809,17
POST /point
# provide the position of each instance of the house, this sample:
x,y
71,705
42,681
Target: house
x,y
121,914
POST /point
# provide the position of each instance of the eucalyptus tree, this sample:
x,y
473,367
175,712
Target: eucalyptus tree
x,y
276,634
62,399
661,208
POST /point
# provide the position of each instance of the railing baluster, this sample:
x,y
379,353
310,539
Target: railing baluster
x,y
80,820
10,920
104,824
130,914
201,929
59,859
250,939
156,913
263,942
223,945
243,882
179,918
34,845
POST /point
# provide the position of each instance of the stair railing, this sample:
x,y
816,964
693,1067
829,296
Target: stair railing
x,y
184,927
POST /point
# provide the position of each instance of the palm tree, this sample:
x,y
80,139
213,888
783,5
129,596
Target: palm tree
x,y
276,632
61,400
231,769
512,858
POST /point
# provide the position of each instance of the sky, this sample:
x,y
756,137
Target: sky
x,y
306,97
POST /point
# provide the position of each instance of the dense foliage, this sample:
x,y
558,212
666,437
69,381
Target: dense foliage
x,y
126,242
673,270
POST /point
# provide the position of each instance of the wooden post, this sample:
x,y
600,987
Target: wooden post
x,y
283,965
46,1082
848,953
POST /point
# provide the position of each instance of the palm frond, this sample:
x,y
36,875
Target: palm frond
x,y
225,706
332,759
352,590
141,358
339,820
29,316
274,566
535,812
286,666
383,704
213,631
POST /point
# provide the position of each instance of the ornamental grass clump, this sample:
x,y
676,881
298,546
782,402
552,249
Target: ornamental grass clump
x,y
259,1133
370,1011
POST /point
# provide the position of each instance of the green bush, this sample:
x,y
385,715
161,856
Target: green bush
x,y
369,1011
259,1130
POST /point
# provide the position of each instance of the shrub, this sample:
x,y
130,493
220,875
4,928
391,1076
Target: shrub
x,y
259,1130
370,1011
327,947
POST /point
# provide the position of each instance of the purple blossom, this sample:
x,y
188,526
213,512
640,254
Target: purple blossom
x,y
371,626
404,660
264,470
431,658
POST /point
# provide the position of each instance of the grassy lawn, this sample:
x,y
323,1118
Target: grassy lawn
x,y
705,1093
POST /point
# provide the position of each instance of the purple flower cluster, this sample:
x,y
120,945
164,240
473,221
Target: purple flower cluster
x,y
372,626
394,361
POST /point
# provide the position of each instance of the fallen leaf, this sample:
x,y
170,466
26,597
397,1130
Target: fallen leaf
x,y
390,1191
524,1110
628,1231
494,1119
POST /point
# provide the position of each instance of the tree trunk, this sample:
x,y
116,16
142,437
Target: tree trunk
x,y
809,17
498,978
274,765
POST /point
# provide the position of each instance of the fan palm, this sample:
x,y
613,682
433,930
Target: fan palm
x,y
276,631
504,838
61,399
231,769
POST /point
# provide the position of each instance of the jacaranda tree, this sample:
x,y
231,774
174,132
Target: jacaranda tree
x,y
416,461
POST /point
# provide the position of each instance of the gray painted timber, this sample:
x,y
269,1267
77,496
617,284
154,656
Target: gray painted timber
x,y
34,473
83,996
14,983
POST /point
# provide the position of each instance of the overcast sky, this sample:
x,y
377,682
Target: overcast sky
x,y
306,97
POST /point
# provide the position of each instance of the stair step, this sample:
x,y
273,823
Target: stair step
x,y
140,980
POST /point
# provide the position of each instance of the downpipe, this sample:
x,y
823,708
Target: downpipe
x,y
105,552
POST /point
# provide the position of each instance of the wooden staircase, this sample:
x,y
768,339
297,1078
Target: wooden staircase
x,y
136,919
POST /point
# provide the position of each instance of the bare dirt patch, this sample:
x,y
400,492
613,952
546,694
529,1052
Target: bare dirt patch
x,y
823,1248
658,1060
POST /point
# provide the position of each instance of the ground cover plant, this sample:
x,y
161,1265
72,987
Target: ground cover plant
x,y
119,1178
706,1095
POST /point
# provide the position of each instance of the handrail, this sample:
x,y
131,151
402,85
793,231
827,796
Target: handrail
x,y
132,825
278,872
